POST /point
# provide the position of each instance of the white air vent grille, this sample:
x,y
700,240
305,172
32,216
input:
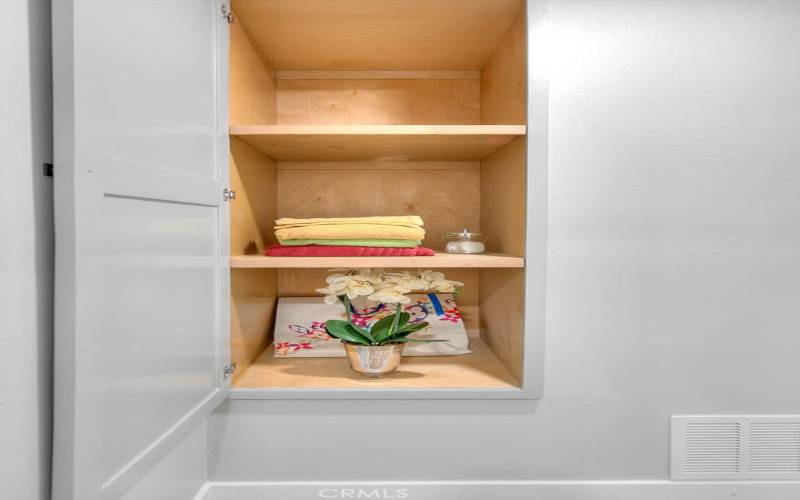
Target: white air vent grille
x,y
736,447
712,448
774,447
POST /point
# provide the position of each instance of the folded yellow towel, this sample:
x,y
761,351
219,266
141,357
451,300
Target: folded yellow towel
x,y
341,231
400,220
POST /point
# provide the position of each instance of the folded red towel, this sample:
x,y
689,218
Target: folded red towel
x,y
340,251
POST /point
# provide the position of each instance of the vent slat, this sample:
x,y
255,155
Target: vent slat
x,y
774,448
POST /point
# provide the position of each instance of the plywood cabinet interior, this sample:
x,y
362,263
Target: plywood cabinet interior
x,y
354,108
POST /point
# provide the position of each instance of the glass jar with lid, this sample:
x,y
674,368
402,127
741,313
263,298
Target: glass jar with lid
x,y
464,242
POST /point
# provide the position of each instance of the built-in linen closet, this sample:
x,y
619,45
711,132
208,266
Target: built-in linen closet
x,y
352,108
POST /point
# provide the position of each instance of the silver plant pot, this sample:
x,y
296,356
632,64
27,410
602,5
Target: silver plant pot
x,y
374,360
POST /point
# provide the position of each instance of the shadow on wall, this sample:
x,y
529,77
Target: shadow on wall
x,y
41,133
26,264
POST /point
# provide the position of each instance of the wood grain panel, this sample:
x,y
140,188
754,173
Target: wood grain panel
x,y
502,294
503,179
377,35
253,177
447,200
378,102
504,79
253,291
252,81
253,299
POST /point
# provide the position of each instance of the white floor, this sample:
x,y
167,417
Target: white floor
x,y
505,490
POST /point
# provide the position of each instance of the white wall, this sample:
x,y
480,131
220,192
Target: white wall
x,y
673,262
674,276
26,249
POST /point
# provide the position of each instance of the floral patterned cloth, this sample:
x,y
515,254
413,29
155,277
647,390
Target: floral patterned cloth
x,y
300,325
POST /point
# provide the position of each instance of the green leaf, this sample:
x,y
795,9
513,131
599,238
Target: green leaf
x,y
422,341
402,335
387,323
404,319
359,329
363,332
382,329
413,327
408,330
343,330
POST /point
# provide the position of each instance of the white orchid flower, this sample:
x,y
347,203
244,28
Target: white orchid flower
x,y
390,295
438,283
331,299
407,281
369,275
445,285
379,286
337,281
354,284
431,275
358,289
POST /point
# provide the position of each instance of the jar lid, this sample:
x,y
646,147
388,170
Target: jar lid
x,y
463,234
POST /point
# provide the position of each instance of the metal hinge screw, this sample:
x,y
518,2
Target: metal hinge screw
x,y
228,370
228,15
228,194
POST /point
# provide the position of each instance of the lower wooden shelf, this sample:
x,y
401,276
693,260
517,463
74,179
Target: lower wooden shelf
x,y
479,370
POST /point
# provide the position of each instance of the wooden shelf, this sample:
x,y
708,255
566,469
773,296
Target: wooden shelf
x,y
440,260
347,34
377,142
481,369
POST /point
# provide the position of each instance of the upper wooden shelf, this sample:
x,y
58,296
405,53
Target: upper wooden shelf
x,y
439,260
377,142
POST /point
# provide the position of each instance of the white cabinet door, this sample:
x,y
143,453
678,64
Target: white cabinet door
x,y
142,274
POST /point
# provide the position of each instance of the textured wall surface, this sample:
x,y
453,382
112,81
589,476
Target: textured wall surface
x,y
26,250
674,276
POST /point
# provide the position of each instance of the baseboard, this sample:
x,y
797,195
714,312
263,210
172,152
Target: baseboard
x,y
503,490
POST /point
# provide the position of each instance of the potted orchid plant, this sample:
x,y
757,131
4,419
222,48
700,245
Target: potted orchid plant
x,y
377,349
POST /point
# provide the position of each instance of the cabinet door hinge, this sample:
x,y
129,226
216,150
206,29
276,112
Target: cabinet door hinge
x,y
228,15
47,169
228,194
228,370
